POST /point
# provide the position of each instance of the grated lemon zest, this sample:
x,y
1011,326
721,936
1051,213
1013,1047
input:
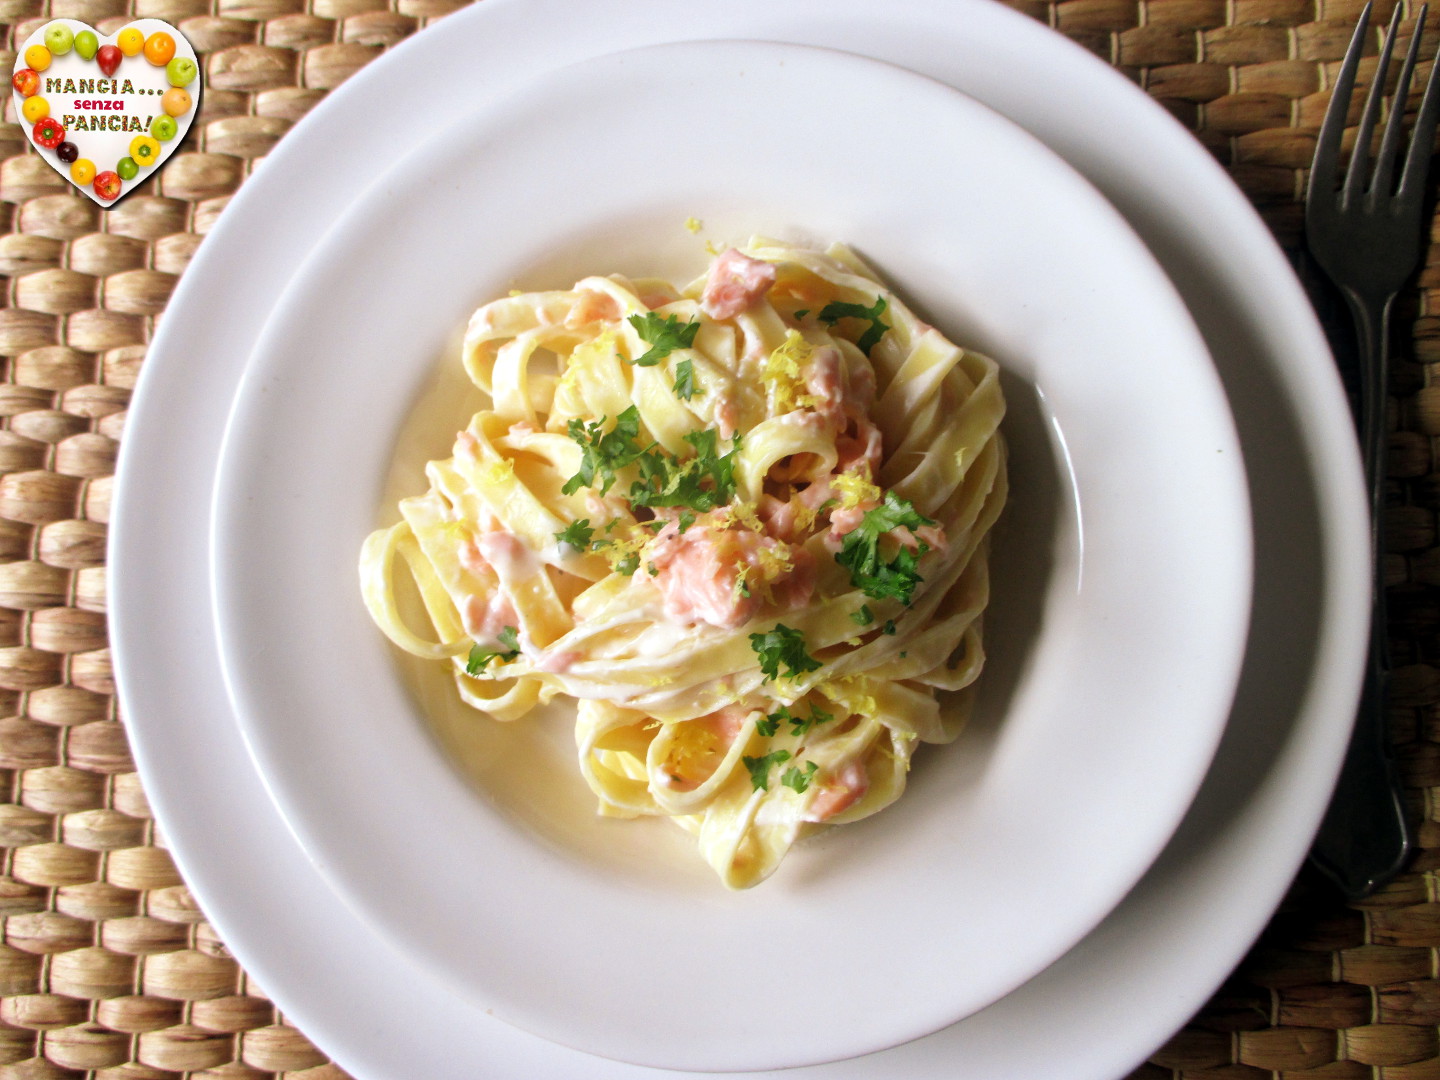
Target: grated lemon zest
x,y
742,578
745,513
854,489
851,692
621,548
805,517
774,564
784,384
498,472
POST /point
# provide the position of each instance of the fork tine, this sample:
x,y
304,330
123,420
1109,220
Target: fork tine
x,y
1390,144
1360,157
1327,147
1422,139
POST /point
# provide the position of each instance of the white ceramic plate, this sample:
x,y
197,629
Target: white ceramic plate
x,y
1119,609
1147,968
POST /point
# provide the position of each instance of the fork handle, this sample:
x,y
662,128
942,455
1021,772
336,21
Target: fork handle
x,y
1365,838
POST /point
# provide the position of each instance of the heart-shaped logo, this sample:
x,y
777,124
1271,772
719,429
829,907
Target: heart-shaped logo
x,y
106,111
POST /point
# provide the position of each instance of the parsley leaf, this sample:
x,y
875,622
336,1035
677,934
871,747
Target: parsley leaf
x,y
685,380
783,646
798,778
604,452
577,534
760,767
768,725
687,518
833,312
663,335
859,553
862,616
889,627
480,656
801,725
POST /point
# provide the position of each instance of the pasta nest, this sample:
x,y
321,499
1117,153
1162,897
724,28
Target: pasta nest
x,y
743,525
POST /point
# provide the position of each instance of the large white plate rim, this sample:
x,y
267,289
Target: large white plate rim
x,y
1263,838
1214,596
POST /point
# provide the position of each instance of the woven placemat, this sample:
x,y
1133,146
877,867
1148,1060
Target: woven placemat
x,y
107,966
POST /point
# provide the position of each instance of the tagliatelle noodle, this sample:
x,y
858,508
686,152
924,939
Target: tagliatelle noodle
x,y
756,558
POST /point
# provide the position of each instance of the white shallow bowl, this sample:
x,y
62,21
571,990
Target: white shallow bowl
x,y
1122,569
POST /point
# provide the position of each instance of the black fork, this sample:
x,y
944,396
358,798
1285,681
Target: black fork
x,y
1366,232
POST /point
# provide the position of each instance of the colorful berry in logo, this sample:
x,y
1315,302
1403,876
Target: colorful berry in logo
x,y
86,43
37,57
176,102
130,40
127,168
159,48
107,185
35,108
67,152
181,71
144,150
49,132
82,171
59,38
164,128
26,82
109,57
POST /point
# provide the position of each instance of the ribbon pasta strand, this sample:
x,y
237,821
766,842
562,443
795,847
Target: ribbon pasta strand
x,y
743,525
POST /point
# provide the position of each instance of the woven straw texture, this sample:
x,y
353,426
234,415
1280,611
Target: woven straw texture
x,y
107,966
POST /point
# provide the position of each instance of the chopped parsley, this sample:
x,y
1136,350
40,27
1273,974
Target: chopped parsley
x,y
687,518
760,767
862,616
833,312
685,380
701,483
480,656
577,534
783,646
889,627
663,335
797,778
604,452
802,313
801,725
880,578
